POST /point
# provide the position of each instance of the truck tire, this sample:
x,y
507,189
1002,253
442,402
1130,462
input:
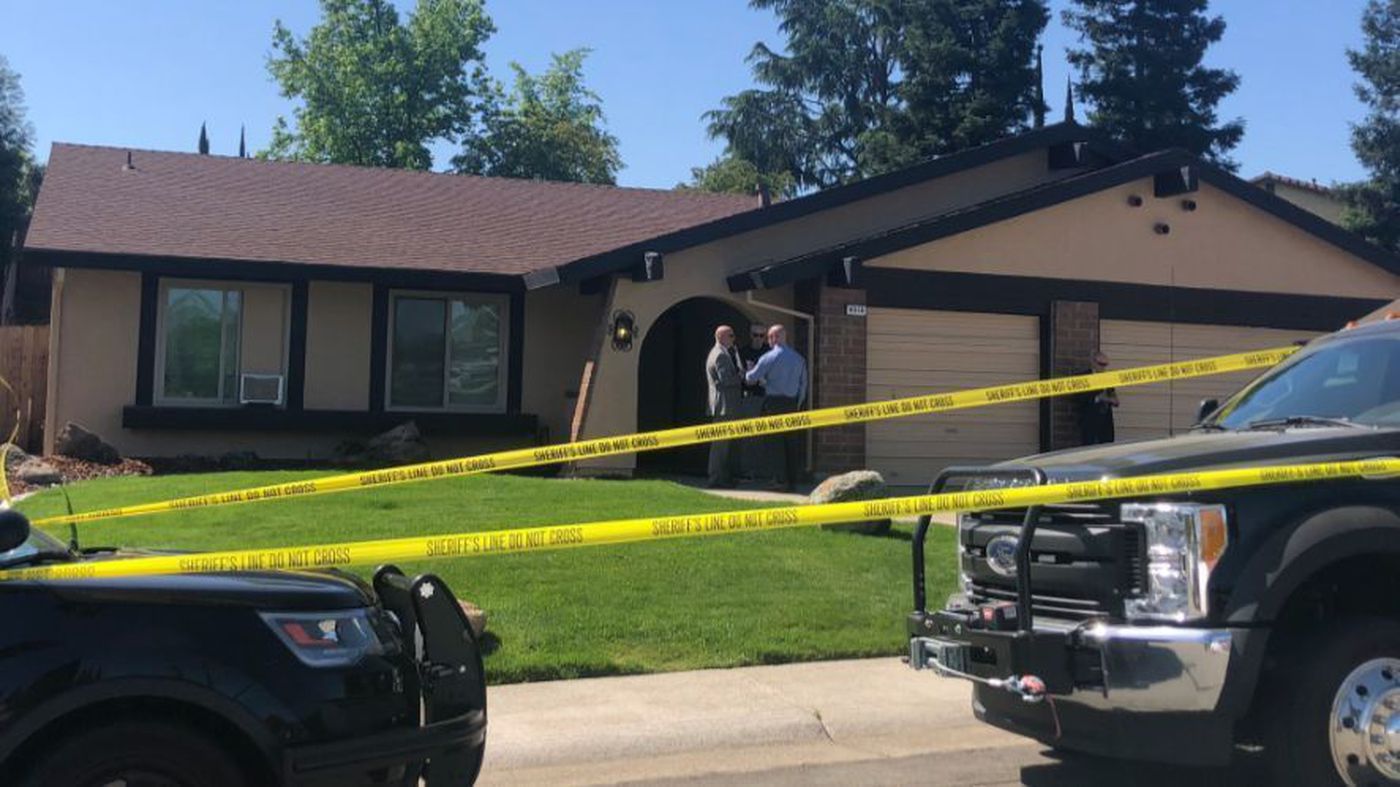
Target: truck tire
x,y
137,752
1327,707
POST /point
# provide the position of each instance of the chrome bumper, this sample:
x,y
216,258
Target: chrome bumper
x,y
1144,668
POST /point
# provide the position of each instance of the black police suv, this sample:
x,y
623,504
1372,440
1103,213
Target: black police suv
x,y
1185,627
225,680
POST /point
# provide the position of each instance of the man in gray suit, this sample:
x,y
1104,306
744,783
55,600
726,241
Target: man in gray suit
x,y
725,378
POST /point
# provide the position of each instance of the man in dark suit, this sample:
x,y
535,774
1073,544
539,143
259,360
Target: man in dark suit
x,y
725,379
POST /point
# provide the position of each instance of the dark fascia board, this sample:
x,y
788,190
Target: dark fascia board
x,y
965,219
278,420
269,271
620,259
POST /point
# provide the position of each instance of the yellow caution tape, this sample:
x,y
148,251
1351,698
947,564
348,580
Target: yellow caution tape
x,y
535,539
689,435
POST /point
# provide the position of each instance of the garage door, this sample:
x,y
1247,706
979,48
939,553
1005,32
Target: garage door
x,y
1163,409
912,352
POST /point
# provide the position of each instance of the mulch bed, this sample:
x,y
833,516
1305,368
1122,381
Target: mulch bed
x,y
78,470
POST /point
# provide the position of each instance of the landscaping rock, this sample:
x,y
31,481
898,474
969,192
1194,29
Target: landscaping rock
x,y
476,617
399,446
855,485
15,456
37,472
79,443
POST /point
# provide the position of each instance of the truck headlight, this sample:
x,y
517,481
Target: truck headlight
x,y
326,639
1184,543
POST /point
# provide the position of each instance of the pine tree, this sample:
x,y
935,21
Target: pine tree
x,y
1142,76
242,142
1373,206
971,71
203,141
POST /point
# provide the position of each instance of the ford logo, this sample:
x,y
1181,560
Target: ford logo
x,y
1001,555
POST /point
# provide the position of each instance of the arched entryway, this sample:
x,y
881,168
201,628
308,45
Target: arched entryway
x,y
671,377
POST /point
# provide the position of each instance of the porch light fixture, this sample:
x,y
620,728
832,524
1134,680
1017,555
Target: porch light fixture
x,y
624,329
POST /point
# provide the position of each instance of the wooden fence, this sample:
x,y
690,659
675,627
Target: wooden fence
x,y
24,363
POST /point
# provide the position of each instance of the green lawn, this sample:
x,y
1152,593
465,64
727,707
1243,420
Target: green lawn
x,y
708,602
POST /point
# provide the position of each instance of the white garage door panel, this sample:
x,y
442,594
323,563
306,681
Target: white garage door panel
x,y
914,352
1162,409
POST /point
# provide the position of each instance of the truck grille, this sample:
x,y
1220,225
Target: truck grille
x,y
1084,562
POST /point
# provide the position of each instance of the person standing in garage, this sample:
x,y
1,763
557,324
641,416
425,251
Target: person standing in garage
x,y
1096,408
783,375
724,377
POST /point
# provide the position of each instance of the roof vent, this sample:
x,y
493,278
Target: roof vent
x,y
128,166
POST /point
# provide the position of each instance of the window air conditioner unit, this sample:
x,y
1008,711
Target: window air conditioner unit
x,y
260,389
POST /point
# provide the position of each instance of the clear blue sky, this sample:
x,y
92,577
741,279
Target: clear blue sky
x,y
145,73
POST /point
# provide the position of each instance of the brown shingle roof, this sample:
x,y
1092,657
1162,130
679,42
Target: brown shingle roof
x,y
187,205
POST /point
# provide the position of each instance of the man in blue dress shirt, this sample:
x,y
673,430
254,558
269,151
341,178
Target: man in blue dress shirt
x,y
783,375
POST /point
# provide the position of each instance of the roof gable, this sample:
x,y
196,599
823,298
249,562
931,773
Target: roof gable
x,y
1169,164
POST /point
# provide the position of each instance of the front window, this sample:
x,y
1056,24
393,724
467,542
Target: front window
x,y
447,352
1356,380
201,332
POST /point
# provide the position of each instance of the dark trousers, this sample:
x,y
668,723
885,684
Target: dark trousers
x,y
784,450
722,459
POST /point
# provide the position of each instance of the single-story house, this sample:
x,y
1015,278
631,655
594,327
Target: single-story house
x,y
204,304
1306,194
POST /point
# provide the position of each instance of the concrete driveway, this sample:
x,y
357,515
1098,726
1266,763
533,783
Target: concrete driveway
x,y
844,722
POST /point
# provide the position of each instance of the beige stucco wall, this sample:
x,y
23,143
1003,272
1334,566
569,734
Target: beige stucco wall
x,y
92,351
559,327
337,345
1224,244
263,343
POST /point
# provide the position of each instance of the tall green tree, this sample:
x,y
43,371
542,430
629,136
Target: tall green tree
x,y
374,90
1373,208
730,174
16,137
203,144
1141,73
549,127
972,72
864,86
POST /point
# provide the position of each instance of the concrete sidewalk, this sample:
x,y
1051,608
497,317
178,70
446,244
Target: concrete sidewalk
x,y
600,730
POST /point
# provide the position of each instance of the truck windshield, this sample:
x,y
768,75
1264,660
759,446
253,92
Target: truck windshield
x,y
1355,380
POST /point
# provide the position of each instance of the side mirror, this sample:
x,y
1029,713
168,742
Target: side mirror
x,y
14,529
1206,409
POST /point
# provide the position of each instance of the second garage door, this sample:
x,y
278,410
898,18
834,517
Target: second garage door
x,y
913,352
1152,411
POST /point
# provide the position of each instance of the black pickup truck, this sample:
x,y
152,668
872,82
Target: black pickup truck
x,y
226,680
1185,628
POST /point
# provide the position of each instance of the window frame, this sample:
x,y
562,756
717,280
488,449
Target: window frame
x,y
503,301
225,286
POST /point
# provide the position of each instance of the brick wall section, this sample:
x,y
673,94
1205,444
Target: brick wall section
x,y
839,377
1074,337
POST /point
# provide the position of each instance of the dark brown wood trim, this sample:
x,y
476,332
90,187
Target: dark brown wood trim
x,y
274,419
515,353
296,348
378,347
273,271
146,339
977,292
